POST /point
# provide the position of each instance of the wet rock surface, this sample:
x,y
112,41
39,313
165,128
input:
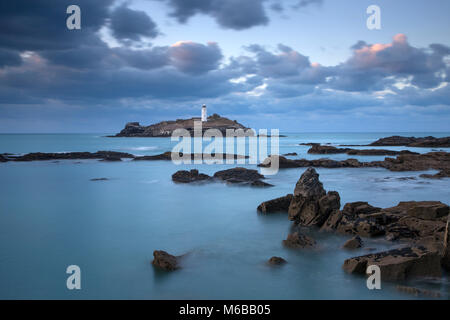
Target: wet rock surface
x,y
241,176
398,264
428,142
193,175
276,205
353,243
165,261
324,149
297,240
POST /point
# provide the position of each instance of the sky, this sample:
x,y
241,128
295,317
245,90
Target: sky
x,y
292,65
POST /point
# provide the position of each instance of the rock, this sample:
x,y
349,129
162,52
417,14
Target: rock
x,y
99,179
441,174
310,205
283,163
290,154
166,128
419,292
353,243
3,159
427,210
239,175
427,142
297,240
184,176
319,149
398,264
192,156
276,205
260,184
165,261
104,155
276,261
446,250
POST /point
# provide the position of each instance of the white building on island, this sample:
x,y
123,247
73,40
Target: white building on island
x,y
204,114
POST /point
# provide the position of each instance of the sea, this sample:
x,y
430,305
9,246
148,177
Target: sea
x,y
53,216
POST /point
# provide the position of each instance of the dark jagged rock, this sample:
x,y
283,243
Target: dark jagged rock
x,y
166,128
311,205
441,174
104,155
276,205
276,261
239,176
290,154
320,149
398,264
165,261
193,175
426,142
403,162
192,156
353,243
297,240
260,184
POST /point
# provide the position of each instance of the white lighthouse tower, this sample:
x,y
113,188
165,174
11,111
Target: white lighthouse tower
x,y
204,114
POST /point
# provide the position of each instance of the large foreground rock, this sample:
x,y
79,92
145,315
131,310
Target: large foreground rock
x,y
398,264
276,205
165,261
311,205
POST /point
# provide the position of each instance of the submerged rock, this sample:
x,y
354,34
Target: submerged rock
x,y
297,240
398,264
353,243
193,175
276,205
276,261
165,261
99,179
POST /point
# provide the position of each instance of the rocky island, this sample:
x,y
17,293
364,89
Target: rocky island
x,y
166,128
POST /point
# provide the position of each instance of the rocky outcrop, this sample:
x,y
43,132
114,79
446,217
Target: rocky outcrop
x,y
296,240
311,205
441,174
353,243
276,261
398,264
166,128
99,179
290,154
2,158
403,162
241,176
276,205
427,142
103,155
321,149
192,156
165,261
193,175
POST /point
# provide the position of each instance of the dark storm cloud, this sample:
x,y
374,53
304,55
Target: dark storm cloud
x,y
132,24
230,14
41,25
9,58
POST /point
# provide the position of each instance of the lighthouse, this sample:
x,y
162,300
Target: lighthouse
x,y
204,114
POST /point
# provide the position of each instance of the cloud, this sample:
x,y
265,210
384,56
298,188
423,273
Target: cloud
x,y
229,14
195,58
128,24
9,58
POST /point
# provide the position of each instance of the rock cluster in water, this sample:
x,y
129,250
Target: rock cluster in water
x,y
421,226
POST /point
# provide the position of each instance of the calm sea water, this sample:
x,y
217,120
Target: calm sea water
x,y
53,216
